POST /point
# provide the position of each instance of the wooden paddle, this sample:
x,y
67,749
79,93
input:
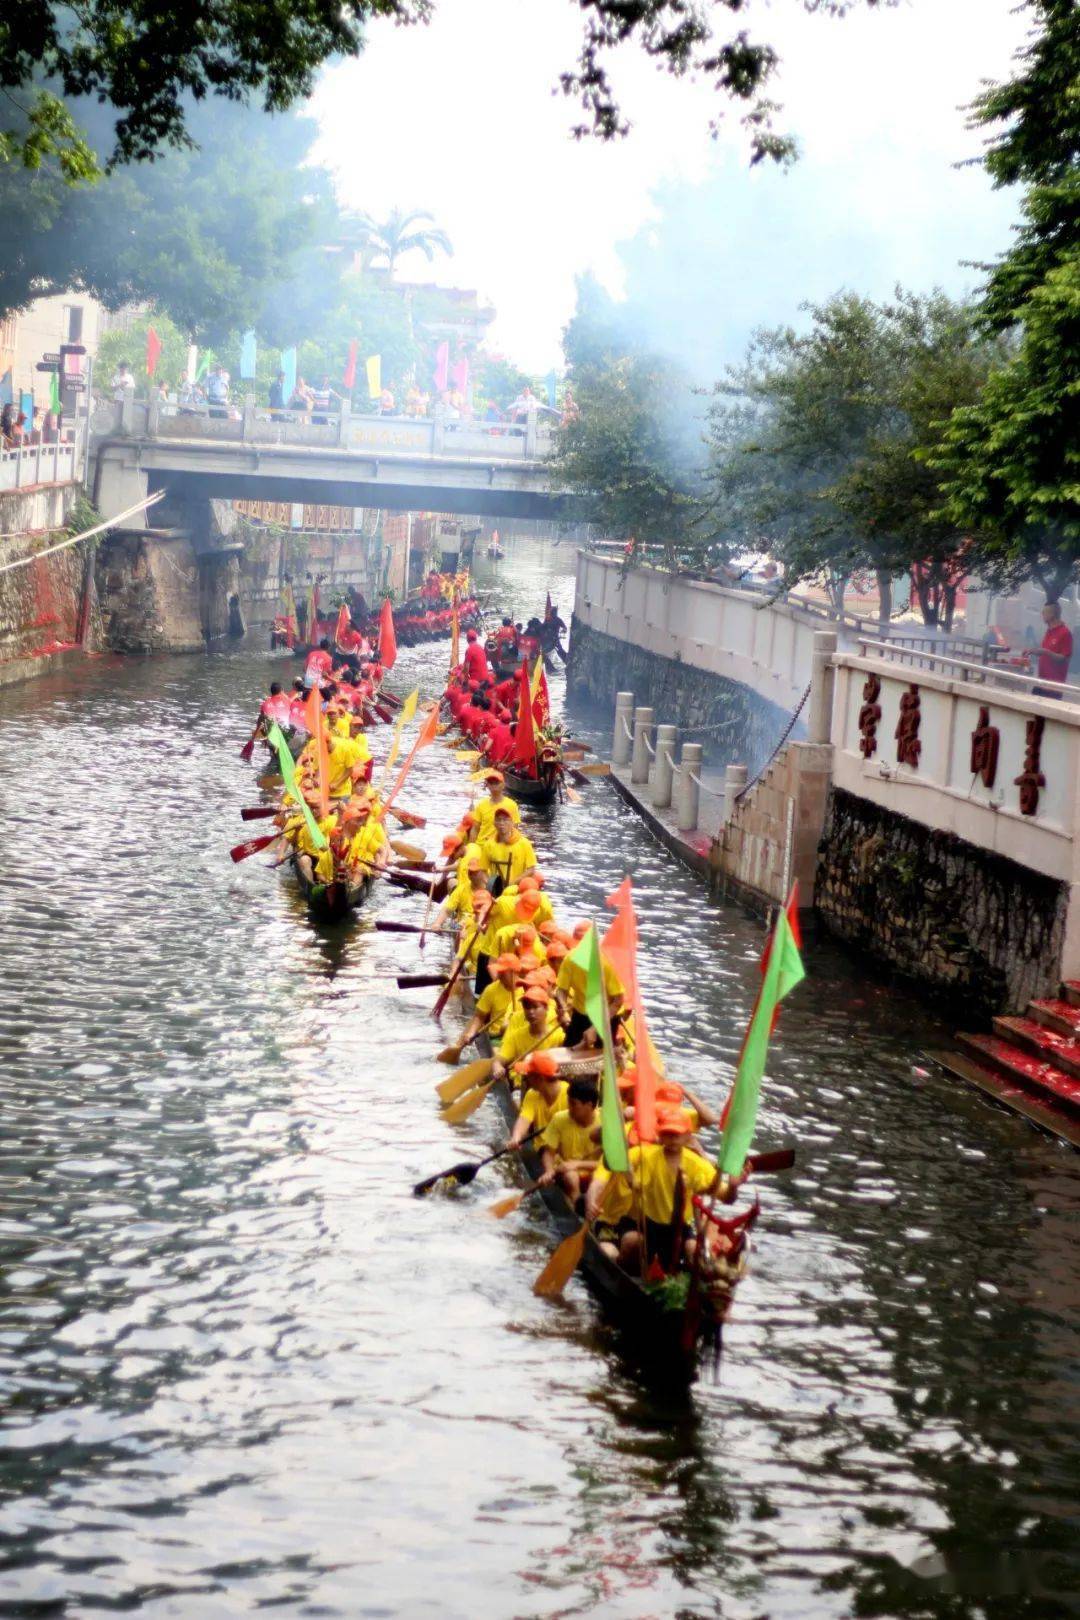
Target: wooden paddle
x,y
271,779
408,818
385,926
463,1080
465,1173
248,748
452,1054
411,853
457,1112
240,852
437,1010
507,1206
419,981
595,768
572,794
562,1265
259,812
467,754
483,1084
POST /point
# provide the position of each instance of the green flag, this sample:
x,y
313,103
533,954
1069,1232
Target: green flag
x,y
54,392
288,771
204,364
586,956
783,973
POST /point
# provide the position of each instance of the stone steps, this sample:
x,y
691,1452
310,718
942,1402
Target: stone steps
x,y
1022,1068
1063,1051
1057,1014
1070,990
1017,1099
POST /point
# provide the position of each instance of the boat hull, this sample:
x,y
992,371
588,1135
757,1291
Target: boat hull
x,y
331,902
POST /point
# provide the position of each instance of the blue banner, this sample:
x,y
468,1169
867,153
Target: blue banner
x,y
7,392
288,366
247,356
552,380
26,405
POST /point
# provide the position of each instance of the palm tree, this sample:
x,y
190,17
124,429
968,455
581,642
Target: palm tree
x,y
404,233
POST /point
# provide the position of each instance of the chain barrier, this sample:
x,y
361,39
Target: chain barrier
x,y
788,729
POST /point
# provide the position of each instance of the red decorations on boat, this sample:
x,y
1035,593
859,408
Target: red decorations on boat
x,y
985,746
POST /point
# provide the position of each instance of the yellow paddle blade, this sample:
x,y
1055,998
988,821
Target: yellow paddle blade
x,y
462,1080
467,1105
408,852
506,1206
562,1265
467,753
478,776
572,794
450,1054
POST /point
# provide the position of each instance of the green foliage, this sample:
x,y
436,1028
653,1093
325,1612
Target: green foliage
x,y
130,344
217,244
46,136
497,379
152,63
1010,463
401,233
380,319
822,442
634,450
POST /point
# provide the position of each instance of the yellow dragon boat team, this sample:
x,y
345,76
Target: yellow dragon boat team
x,y
496,799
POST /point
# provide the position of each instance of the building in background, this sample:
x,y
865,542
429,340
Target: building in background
x,y
41,328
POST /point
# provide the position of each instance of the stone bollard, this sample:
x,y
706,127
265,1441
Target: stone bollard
x,y
641,758
623,740
663,770
734,783
822,681
686,807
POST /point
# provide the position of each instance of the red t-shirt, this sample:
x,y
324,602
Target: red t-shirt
x,y
320,661
1055,653
476,664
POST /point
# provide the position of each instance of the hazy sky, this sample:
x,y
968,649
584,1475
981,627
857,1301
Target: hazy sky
x,y
459,118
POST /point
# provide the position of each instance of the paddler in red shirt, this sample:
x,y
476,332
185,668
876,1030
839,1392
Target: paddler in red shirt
x,y
476,664
1056,650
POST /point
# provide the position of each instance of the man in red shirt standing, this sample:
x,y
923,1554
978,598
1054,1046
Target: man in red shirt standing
x,y
476,664
1055,652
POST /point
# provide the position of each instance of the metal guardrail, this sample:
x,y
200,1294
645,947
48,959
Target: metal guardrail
x,y
976,674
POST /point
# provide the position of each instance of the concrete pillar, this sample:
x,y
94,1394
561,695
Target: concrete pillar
x,y
530,434
822,681
687,802
734,783
343,422
641,758
153,407
623,739
247,426
663,770
438,430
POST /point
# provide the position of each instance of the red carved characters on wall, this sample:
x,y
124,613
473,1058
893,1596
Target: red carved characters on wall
x,y
985,747
869,715
1031,778
908,746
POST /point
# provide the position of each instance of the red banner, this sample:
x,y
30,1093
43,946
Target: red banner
x,y
387,638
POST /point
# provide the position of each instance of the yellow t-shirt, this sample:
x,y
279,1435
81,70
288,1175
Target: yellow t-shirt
x,y
571,980
504,940
298,833
540,1113
497,1004
508,861
366,843
346,753
570,1141
654,1183
485,815
519,1037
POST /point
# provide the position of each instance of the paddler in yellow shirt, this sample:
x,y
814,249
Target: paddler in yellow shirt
x,y
298,833
545,1097
570,1147
459,902
485,810
347,759
508,856
498,1003
534,1027
369,848
570,992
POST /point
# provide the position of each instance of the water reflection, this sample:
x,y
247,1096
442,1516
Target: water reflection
x,y
241,1366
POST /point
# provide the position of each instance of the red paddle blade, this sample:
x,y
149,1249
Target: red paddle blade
x,y
240,852
248,749
259,812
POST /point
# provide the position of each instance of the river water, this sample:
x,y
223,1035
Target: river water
x,y
243,1369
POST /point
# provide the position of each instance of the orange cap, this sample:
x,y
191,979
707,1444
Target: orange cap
x,y
526,883
450,843
674,1122
538,996
501,810
540,1063
506,964
468,819
527,905
556,950
525,935
669,1093
494,776
581,929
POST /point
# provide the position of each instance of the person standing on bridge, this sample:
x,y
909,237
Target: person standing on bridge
x,y
320,401
217,391
1056,649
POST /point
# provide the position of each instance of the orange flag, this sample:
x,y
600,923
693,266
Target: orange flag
x,y
524,751
427,734
619,946
387,638
313,719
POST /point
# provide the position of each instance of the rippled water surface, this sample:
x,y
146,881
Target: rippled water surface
x,y
242,1368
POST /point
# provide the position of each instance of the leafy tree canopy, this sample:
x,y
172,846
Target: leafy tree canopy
x,y
149,61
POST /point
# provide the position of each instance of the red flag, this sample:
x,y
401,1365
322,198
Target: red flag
x,y
442,366
349,374
313,720
153,351
344,619
387,638
619,946
524,750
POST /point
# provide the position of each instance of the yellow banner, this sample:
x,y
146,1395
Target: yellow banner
x,y
408,709
374,375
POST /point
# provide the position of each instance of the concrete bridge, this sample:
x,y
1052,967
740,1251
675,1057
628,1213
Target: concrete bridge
x,y
253,453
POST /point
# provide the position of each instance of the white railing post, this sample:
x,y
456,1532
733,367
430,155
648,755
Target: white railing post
x,y
663,771
530,434
639,763
687,804
343,422
734,784
822,680
247,426
622,740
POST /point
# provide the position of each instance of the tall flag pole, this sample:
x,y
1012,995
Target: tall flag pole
x,y
783,971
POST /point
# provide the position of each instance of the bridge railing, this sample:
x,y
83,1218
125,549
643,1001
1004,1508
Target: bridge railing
x,y
32,465
248,423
